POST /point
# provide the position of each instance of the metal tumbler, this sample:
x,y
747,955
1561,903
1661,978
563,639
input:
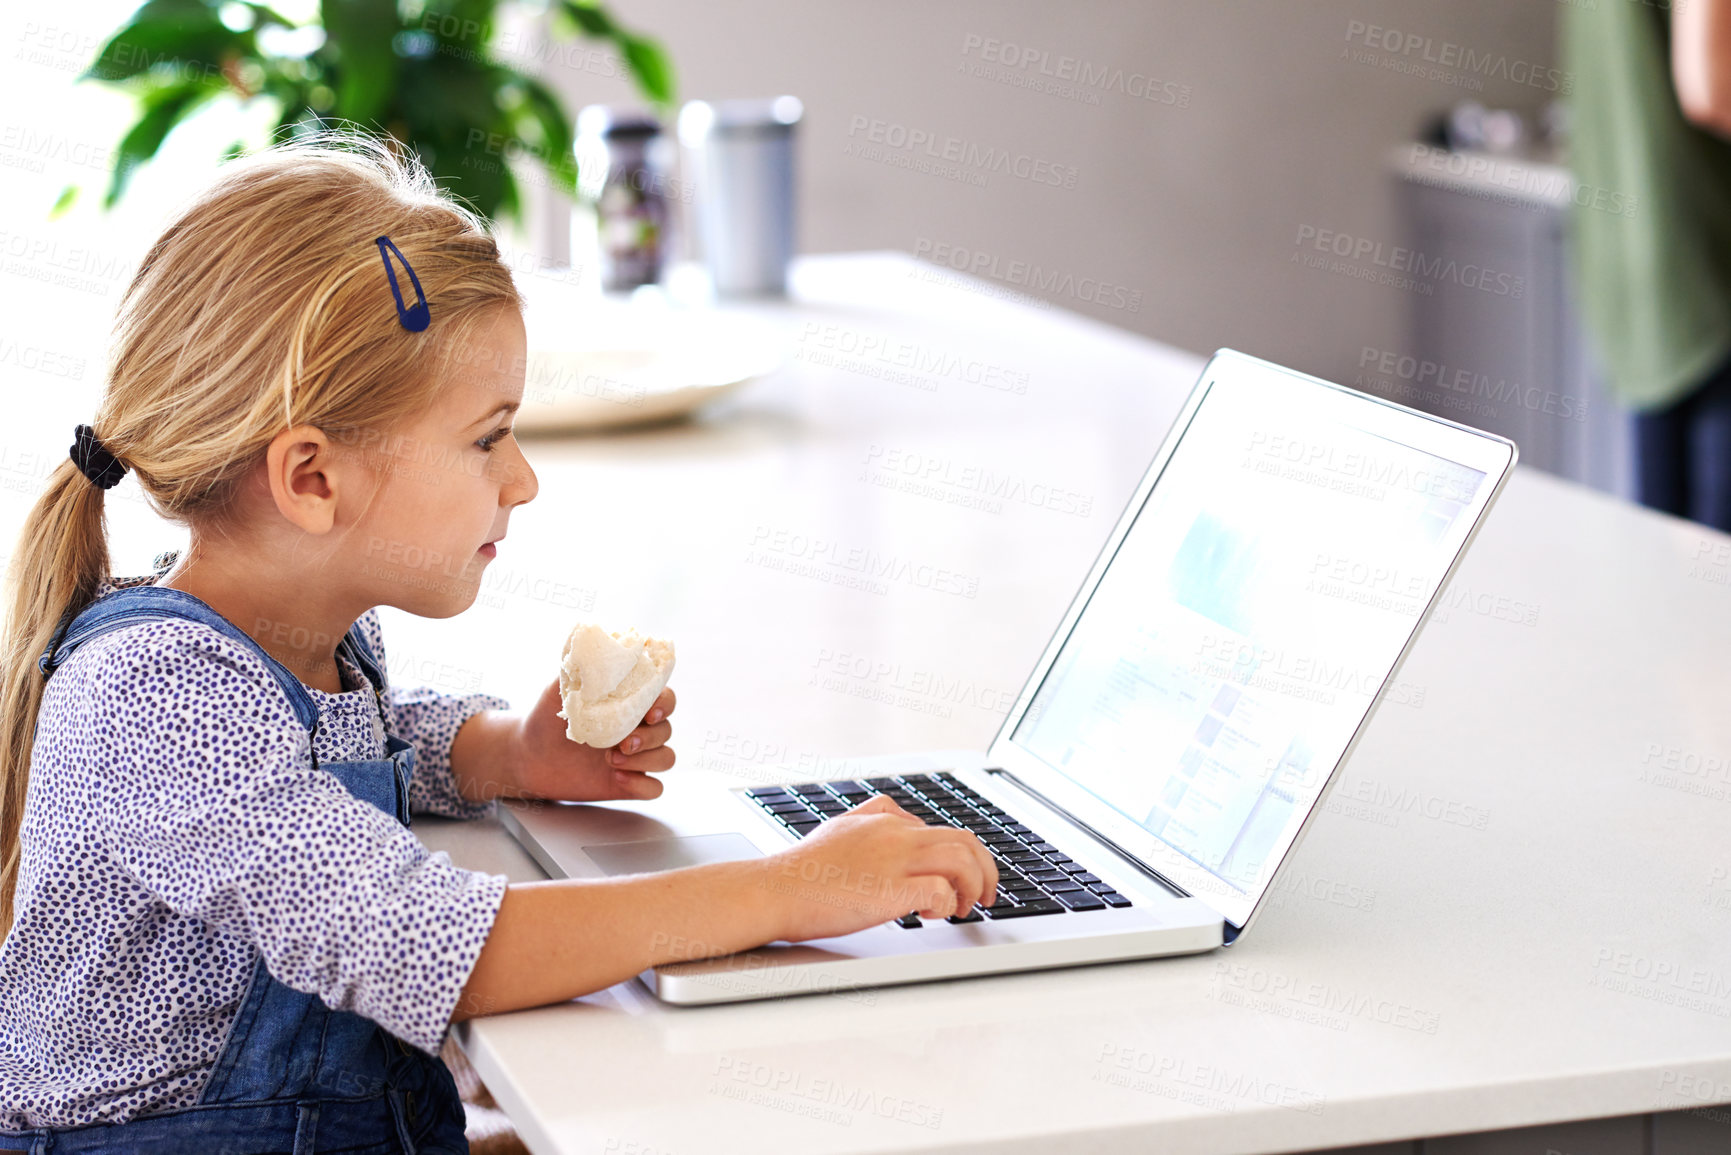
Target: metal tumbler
x,y
742,152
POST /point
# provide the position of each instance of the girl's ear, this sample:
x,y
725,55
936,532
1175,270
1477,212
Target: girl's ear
x,y
302,471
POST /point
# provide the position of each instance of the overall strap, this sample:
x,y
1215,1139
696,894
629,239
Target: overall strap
x,y
130,604
355,648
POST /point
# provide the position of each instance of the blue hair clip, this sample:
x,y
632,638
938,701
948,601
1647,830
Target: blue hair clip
x,y
414,317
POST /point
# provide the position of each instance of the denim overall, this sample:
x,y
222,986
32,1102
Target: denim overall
x,y
294,1076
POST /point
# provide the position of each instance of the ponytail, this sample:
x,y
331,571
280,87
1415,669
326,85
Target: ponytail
x,y
60,559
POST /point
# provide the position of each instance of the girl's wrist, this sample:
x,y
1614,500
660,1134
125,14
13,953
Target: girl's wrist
x,y
747,911
784,887
768,908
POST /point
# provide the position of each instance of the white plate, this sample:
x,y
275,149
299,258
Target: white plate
x,y
630,366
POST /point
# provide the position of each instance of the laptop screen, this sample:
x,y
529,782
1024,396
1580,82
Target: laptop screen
x,y
1249,616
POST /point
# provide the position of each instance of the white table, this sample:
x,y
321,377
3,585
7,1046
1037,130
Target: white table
x,y
1516,911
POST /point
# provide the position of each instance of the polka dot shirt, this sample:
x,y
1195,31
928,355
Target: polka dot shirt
x,y
175,831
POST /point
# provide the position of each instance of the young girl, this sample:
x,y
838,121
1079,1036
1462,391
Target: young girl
x,y
223,935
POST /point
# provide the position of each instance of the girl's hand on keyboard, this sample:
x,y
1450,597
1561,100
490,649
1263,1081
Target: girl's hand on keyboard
x,y
874,863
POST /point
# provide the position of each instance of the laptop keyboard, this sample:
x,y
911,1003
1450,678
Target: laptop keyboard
x,y
1034,877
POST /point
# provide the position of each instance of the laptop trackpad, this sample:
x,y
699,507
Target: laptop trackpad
x,y
657,854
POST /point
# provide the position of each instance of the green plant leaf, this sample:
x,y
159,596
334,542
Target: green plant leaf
x,y
448,108
463,25
589,18
542,108
281,84
63,202
649,63
163,108
361,31
479,178
181,33
439,91
265,14
288,87
463,110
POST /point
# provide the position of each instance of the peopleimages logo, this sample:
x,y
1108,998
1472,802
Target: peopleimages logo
x,y
869,136
1534,185
1072,70
934,473
1368,468
1025,275
1398,259
1446,54
855,348
1456,379
1204,1084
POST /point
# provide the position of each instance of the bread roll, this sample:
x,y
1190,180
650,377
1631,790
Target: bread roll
x,y
608,681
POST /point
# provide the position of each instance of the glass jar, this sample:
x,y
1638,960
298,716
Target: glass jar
x,y
623,164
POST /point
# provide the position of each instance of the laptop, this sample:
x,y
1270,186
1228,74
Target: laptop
x,y
1178,735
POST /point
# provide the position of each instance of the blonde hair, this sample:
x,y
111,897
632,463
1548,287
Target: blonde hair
x,y
264,304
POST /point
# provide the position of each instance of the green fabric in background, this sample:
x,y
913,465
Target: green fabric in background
x,y
1653,272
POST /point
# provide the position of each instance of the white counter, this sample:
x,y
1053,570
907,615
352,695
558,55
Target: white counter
x,y
1517,908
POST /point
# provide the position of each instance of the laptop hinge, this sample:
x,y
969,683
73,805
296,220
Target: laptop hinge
x,y
1177,890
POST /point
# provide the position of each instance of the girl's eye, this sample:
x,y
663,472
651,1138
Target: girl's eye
x,y
488,442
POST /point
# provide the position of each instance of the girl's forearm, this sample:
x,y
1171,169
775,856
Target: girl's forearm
x,y
553,941
480,756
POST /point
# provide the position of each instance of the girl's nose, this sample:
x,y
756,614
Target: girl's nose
x,y
523,485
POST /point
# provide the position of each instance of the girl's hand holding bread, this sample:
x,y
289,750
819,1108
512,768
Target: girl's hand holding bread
x,y
596,733
529,756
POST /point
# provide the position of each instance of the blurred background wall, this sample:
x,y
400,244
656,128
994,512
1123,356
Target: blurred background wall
x,y
1220,132
1184,170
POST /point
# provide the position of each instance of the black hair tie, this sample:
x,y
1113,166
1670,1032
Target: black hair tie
x,y
94,461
